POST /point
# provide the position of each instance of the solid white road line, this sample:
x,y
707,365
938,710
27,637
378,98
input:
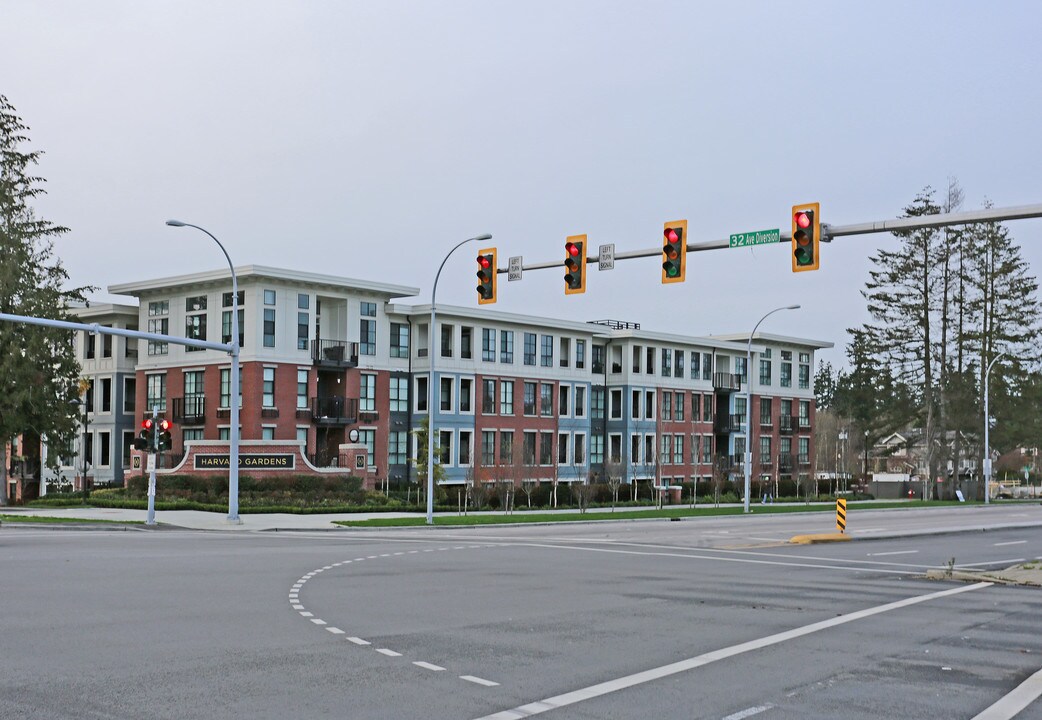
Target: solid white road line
x,y
1022,696
749,712
895,552
479,681
658,673
1012,542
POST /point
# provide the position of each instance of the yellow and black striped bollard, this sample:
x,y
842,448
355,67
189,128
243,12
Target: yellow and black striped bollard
x,y
841,514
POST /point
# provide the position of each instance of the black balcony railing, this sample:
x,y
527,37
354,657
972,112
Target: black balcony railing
x,y
189,410
727,381
334,410
729,423
787,424
766,421
785,463
598,368
334,353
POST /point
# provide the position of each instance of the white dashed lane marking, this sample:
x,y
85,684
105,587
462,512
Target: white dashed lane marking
x,y
296,604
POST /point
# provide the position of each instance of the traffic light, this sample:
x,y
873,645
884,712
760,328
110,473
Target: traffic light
x,y
144,439
163,441
674,251
575,265
806,237
486,276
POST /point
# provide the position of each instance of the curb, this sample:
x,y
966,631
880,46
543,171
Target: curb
x,y
815,539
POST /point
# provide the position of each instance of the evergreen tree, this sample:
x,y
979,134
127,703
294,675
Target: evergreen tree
x,y
825,381
38,368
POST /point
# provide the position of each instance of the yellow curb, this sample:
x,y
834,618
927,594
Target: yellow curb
x,y
819,538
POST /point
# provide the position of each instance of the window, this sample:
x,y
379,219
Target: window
x,y
616,404
696,449
226,388
765,371
579,449
158,325
786,355
678,403
129,394
303,326
739,409
156,393
546,448
597,400
302,435
445,396
804,413
269,327
506,397
488,344
106,395
464,448
707,366
195,320
367,392
269,297
562,448
765,449
707,449
128,445
528,452
506,447
268,432
529,349
529,398
447,333
667,406
565,352
667,362
506,346
804,451
90,396
666,449
678,363
580,354
399,394
596,449
741,369
546,399
678,450
226,326
106,449
488,396
546,354
445,447
397,447
563,396
580,401
635,448
466,392
804,380
488,448
707,408
805,357
615,448
635,405
598,358
765,411
466,342
696,413
649,404
193,393
786,374
399,340
89,341
268,391
649,365
421,394
695,365
302,389
226,299
367,436
367,329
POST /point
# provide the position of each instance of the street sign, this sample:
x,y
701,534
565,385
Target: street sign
x,y
151,463
514,268
606,257
759,237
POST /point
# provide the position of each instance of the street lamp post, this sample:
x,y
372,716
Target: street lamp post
x,y
749,402
233,350
432,353
987,423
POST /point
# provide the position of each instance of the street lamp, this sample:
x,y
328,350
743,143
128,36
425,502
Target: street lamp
x,y
86,438
233,350
749,401
987,423
432,353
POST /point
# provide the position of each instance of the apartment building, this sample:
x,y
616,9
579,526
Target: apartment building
x,y
329,360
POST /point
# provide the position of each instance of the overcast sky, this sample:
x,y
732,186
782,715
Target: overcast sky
x,y
331,136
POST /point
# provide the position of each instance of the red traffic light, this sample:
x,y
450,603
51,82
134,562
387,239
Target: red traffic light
x,y
802,219
671,235
165,425
147,424
572,249
484,261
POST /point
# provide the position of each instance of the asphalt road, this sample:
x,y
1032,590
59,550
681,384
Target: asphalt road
x,y
708,618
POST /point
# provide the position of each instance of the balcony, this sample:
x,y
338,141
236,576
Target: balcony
x,y
727,381
598,368
334,410
785,463
189,410
334,353
787,424
728,423
766,422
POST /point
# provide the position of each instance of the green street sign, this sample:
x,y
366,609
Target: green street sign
x,y
760,237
